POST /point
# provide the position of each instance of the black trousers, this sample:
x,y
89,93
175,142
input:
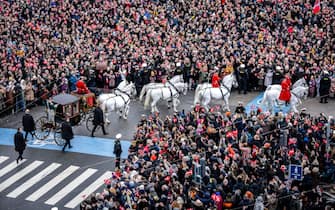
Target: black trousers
x,y
243,85
117,161
102,126
323,98
32,135
20,155
67,143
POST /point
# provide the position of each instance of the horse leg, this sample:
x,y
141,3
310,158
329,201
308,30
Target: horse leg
x,y
106,118
226,103
153,105
174,104
126,111
205,103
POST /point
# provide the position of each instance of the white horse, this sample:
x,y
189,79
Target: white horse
x,y
205,92
170,92
173,80
271,97
118,102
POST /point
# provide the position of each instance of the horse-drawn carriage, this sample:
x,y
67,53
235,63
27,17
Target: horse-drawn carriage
x,y
59,108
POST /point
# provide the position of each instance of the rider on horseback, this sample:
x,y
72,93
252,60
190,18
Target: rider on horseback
x,y
215,80
285,94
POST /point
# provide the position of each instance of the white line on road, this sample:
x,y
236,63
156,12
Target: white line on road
x,y
52,183
90,189
10,167
11,180
29,183
3,159
68,188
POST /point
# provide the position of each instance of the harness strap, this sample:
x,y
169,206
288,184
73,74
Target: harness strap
x,y
174,87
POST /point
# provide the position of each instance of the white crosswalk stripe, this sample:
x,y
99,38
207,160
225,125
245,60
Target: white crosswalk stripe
x,y
40,181
11,180
68,188
52,183
87,191
29,183
3,159
10,167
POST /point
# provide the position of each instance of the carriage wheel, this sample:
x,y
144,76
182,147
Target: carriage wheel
x,y
42,128
82,117
58,137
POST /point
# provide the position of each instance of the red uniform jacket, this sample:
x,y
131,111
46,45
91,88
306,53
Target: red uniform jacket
x,y
285,94
215,81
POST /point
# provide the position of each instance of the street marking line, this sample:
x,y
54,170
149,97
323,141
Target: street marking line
x,y
29,183
88,190
10,167
52,183
3,159
11,180
69,187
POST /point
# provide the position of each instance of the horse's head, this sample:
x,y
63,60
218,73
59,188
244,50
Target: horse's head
x,y
230,80
122,85
301,92
133,91
301,82
176,79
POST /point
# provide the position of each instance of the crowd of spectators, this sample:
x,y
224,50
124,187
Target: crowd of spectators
x,y
46,46
209,160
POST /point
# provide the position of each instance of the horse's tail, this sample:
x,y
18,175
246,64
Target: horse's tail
x,y
268,88
197,96
147,99
143,92
263,102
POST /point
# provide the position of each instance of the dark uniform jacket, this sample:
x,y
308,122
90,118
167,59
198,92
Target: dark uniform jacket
x,y
28,122
67,132
98,118
117,148
19,142
325,83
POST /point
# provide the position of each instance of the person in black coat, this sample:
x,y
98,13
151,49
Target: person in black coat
x,y
19,143
28,124
117,150
325,84
67,133
242,78
98,120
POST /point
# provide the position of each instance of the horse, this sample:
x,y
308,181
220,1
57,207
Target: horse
x,y
145,88
118,101
205,92
170,92
271,96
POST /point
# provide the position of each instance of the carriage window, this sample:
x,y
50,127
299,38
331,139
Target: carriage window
x,y
75,108
67,109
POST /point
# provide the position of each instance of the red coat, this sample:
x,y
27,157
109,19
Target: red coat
x,y
215,81
285,94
